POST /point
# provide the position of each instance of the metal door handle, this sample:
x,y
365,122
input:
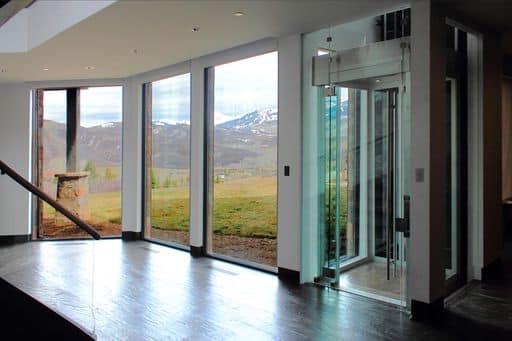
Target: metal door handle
x,y
404,224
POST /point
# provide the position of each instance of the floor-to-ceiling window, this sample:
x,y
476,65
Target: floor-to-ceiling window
x,y
51,153
99,153
167,153
79,140
242,160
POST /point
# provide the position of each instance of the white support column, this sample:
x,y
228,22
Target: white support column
x,y
197,165
289,152
418,251
132,157
426,263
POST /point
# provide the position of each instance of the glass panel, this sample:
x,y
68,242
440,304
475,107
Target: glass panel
x,y
169,160
53,158
80,159
451,252
313,229
99,151
380,171
352,171
244,207
341,179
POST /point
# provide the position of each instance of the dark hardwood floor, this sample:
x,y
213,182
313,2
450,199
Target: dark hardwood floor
x,y
144,291
488,302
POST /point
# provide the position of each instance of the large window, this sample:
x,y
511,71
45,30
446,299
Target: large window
x,y
52,154
167,153
242,154
79,158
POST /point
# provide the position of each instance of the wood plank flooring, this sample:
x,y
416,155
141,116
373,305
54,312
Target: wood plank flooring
x,y
143,291
488,303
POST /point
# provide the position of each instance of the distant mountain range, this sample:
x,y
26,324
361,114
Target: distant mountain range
x,y
250,140
252,120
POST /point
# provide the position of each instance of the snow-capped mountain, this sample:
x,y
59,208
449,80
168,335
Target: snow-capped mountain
x,y
251,138
251,120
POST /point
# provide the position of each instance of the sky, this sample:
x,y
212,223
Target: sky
x,y
171,99
240,87
244,86
98,105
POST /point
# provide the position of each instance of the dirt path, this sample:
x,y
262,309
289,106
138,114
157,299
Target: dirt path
x,y
50,230
258,250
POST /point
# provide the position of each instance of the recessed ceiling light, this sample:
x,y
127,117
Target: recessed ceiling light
x,y
195,29
46,69
238,14
89,67
377,80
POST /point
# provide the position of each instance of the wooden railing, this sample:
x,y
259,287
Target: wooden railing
x,y
4,169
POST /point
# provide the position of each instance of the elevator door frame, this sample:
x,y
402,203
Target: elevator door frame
x,y
369,251
367,232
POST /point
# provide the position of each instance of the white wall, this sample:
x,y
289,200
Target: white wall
x,y
418,247
15,138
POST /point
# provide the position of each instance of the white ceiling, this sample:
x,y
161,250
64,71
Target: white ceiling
x,y
161,31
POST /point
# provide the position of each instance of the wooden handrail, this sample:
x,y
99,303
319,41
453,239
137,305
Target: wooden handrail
x,y
4,169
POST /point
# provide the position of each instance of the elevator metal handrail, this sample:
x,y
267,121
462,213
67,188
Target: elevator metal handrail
x,y
4,169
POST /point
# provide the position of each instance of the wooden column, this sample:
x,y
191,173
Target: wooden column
x,y
39,162
73,123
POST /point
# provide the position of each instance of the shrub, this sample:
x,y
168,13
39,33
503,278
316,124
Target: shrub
x,y
90,167
110,174
155,182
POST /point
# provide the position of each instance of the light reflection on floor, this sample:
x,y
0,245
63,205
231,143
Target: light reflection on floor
x,y
370,280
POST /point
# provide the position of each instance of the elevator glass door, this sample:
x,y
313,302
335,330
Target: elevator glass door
x,y
364,186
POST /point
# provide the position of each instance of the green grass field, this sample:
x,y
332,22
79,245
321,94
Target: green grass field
x,y
243,207
104,207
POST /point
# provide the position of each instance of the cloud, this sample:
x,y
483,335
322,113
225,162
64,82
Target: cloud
x,y
171,99
98,105
221,118
246,85
240,87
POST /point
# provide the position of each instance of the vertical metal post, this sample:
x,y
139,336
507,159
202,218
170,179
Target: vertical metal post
x,y
394,192
390,184
209,161
338,188
147,157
